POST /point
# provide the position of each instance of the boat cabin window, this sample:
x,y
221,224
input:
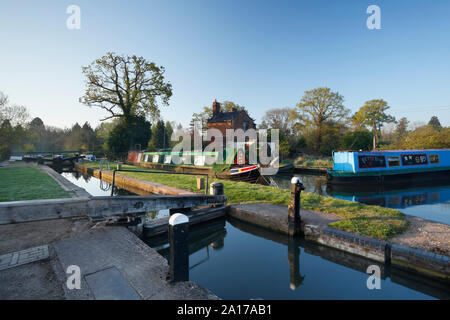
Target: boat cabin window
x,y
394,161
366,162
414,159
434,158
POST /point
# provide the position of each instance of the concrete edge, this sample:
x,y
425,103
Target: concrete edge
x,y
74,190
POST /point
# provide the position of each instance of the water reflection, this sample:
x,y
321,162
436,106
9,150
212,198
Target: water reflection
x,y
237,260
201,238
296,279
94,186
429,201
97,187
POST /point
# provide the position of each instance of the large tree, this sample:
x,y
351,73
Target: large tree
x,y
126,87
373,114
435,123
202,116
279,118
125,136
159,138
402,128
13,121
317,108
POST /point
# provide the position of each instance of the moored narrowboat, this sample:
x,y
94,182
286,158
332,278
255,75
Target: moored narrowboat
x,y
194,162
389,166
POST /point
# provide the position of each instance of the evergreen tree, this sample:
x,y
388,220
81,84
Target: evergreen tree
x,y
435,123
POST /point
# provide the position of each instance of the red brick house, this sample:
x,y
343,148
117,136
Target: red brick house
x,y
231,119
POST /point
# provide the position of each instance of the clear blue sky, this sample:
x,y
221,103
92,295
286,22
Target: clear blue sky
x,y
261,54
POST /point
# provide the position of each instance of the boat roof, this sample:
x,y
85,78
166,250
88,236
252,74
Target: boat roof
x,y
396,151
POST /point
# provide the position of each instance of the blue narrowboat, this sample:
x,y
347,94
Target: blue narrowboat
x,y
389,166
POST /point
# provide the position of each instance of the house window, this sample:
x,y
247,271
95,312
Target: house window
x,y
394,161
245,125
434,158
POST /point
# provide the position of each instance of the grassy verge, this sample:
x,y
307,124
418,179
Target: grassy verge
x,y
28,183
373,221
314,162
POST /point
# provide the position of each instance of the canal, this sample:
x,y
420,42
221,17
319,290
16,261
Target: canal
x,y
430,202
236,260
97,187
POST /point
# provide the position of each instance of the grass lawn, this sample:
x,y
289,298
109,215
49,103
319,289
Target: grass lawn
x,y
28,183
373,221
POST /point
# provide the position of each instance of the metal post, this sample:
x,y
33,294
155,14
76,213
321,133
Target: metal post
x,y
113,183
200,183
216,189
179,247
294,208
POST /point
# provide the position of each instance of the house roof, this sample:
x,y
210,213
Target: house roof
x,y
224,116
227,116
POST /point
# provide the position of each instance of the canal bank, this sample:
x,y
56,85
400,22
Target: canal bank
x,y
257,263
359,218
315,226
38,257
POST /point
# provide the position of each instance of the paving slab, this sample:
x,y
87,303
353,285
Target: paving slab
x,y
109,284
20,236
18,258
145,270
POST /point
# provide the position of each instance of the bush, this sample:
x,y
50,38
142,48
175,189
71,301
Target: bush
x,y
425,137
357,140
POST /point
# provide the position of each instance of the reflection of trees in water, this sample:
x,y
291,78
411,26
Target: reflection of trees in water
x,y
86,177
313,183
218,244
75,174
122,192
320,185
152,214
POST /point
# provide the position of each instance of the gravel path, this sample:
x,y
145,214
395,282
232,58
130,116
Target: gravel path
x,y
426,235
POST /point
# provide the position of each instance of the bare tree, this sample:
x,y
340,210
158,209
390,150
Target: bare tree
x,y
13,113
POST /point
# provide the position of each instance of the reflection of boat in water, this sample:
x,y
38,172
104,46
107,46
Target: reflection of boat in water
x,y
389,166
395,198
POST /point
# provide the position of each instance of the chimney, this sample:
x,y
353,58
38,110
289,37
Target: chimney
x,y
216,107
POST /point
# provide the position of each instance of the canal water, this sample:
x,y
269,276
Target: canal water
x,y
236,260
430,202
97,187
